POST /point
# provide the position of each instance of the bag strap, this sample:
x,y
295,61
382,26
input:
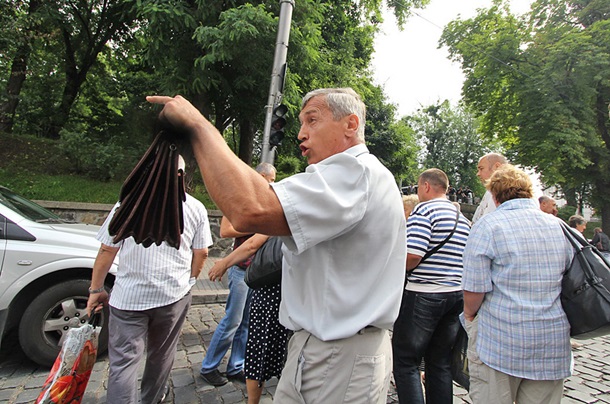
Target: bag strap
x,y
579,243
442,243
574,237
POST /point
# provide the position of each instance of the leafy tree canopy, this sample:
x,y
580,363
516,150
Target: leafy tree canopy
x,y
541,83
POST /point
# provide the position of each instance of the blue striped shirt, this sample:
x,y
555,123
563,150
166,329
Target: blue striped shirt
x,y
428,225
516,255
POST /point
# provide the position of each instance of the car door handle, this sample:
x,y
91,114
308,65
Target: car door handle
x,y
24,262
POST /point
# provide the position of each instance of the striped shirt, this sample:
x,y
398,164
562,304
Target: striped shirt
x,y
428,225
158,275
516,255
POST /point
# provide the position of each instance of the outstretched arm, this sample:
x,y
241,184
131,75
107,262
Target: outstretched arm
x,y
243,195
242,252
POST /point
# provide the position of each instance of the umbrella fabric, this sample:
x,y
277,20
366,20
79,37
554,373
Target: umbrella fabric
x,y
70,374
150,201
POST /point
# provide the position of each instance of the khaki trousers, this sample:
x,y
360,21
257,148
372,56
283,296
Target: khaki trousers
x,y
351,370
488,385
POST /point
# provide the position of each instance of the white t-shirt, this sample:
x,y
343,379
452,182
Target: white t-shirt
x,y
486,206
158,275
344,265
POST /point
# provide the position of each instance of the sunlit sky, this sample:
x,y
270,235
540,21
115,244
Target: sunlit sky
x,y
408,63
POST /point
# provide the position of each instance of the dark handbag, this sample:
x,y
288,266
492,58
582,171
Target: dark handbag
x,y
459,359
585,294
265,269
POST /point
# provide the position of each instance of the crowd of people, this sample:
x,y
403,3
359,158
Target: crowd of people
x,y
370,286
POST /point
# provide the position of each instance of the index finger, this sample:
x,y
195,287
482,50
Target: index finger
x,y
158,99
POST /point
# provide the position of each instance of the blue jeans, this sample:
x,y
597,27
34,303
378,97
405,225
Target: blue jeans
x,y
233,328
426,327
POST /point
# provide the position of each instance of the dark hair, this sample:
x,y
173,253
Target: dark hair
x,y
436,178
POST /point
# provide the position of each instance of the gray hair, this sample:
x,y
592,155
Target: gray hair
x,y
342,102
265,169
576,220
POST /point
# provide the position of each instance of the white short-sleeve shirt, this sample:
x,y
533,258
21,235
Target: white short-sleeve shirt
x,y
158,275
344,264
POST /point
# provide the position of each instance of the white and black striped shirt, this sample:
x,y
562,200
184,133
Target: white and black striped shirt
x,y
428,225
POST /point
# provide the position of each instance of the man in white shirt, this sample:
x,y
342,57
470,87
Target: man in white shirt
x,y
150,299
548,205
488,164
343,231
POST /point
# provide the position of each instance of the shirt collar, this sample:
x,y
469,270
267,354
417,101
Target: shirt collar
x,y
357,150
520,203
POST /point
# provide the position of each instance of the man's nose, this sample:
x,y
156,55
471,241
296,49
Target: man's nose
x,y
301,136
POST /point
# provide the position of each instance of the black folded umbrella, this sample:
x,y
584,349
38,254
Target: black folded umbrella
x,y
151,197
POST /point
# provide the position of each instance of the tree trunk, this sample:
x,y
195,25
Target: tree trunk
x,y
13,88
246,140
18,73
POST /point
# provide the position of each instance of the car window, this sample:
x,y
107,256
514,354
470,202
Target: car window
x,y
27,208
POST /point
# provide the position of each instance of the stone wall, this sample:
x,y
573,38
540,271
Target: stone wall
x,y
95,213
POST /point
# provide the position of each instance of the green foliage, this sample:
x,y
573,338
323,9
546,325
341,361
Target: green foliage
x,y
287,166
99,161
450,140
92,63
393,143
541,84
565,212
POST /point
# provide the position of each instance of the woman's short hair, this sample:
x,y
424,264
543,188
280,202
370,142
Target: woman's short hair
x,y
576,220
508,182
409,202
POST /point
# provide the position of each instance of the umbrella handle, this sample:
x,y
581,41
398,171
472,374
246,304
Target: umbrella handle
x,y
94,320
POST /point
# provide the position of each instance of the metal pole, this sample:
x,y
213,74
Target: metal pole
x,y
277,75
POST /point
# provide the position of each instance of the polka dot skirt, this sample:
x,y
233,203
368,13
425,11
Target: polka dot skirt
x,y
267,338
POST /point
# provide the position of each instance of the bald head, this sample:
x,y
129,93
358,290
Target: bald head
x,y
548,205
488,164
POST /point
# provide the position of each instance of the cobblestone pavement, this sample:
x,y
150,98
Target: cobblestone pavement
x,y
21,379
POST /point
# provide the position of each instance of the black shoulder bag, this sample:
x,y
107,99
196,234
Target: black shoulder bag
x,y
265,269
585,286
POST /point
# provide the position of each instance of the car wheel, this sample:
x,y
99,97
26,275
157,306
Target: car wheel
x,y
46,321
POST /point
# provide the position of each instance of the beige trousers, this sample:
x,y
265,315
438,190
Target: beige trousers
x,y
489,386
351,370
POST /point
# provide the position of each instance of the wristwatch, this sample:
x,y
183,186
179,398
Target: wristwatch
x,y
92,291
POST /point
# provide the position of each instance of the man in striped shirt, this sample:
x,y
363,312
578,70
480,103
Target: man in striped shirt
x,y
428,322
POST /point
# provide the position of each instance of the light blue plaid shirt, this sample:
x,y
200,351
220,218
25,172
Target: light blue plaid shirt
x,y
517,255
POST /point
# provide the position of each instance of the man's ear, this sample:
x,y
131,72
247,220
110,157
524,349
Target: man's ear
x,y
352,124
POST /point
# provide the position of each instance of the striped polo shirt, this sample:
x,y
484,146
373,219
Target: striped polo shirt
x,y
428,225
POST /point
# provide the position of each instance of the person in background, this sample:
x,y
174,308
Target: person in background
x,y
338,297
149,302
600,240
232,331
519,335
428,323
267,338
488,164
578,222
408,203
548,205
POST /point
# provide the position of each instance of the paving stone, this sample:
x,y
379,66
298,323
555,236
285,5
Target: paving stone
x,y
580,397
21,379
27,396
